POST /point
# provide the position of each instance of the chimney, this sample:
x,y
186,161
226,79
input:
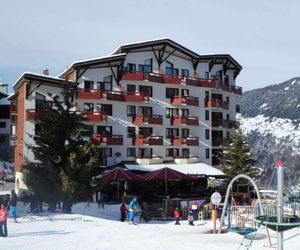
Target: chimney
x,y
45,72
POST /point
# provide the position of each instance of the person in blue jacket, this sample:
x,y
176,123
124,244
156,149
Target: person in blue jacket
x,y
132,209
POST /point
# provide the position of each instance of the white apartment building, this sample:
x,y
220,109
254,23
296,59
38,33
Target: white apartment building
x,y
147,103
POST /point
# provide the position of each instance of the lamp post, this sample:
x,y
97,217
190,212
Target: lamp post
x,y
279,165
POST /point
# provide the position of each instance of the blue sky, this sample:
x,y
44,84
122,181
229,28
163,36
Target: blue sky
x,y
263,36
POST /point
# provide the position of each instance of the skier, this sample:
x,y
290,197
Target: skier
x,y
177,214
132,209
3,221
123,210
13,205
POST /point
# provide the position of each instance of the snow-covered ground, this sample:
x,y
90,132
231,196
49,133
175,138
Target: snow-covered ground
x,y
91,227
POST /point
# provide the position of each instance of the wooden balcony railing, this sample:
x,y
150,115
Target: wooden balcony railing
x,y
107,139
199,82
188,141
126,96
151,140
215,103
219,141
96,116
185,120
185,100
150,119
89,94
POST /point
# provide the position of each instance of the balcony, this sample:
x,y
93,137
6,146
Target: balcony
x,y
147,161
219,141
154,77
89,94
237,90
133,76
185,100
220,123
126,96
149,119
172,79
185,120
107,139
215,103
31,114
185,141
198,82
95,116
186,159
151,140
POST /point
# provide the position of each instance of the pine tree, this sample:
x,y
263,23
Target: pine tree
x,y
67,161
236,159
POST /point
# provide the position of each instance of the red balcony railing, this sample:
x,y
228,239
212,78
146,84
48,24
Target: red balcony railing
x,y
150,119
198,82
151,140
182,141
133,76
215,103
185,100
154,77
89,94
96,116
219,141
107,139
172,79
237,90
31,114
220,123
185,120
126,96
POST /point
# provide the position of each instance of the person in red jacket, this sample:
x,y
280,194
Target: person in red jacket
x,y
3,221
123,210
177,214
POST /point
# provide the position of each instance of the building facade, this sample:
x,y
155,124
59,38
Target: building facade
x,y
149,102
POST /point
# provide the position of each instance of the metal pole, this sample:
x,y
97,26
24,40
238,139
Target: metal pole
x,y
279,205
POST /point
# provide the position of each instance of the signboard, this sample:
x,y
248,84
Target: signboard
x,y
216,198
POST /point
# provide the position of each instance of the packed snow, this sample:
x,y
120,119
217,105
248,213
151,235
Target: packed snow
x,y
90,227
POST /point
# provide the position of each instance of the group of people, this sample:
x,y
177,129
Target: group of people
x,y
133,208
7,208
192,214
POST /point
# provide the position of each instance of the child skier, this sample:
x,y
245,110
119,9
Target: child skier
x,y
190,218
177,214
123,210
3,221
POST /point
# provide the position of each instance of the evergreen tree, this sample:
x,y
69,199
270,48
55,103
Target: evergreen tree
x,y
236,159
67,161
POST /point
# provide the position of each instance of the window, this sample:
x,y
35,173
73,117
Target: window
x,y
145,153
227,135
130,88
171,92
88,85
185,112
207,153
185,132
131,67
2,138
207,134
147,66
206,96
207,75
171,112
142,110
104,108
104,130
131,132
131,110
227,99
185,92
88,107
171,132
207,115
172,152
105,152
146,90
185,152
185,72
145,132
227,117
2,124
106,85
130,152
170,70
